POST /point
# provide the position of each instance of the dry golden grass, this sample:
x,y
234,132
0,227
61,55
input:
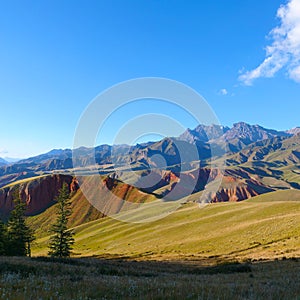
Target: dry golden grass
x,y
41,278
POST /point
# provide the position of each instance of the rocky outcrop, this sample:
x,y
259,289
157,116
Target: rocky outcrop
x,y
235,189
203,133
38,193
234,194
294,131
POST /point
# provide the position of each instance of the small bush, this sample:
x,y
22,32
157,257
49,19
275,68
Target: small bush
x,y
60,260
23,270
226,268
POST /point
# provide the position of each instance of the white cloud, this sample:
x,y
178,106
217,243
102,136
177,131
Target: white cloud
x,y
295,73
223,92
284,52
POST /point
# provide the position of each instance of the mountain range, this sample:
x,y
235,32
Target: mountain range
x,y
3,162
219,138
258,160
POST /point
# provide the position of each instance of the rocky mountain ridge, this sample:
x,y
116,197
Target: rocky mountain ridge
x,y
258,161
3,162
221,139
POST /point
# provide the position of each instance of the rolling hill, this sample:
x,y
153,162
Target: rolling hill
x,y
266,227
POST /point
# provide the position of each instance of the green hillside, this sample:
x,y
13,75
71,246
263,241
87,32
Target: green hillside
x,y
257,228
283,195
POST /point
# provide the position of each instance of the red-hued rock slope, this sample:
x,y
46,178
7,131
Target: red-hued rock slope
x,y
38,193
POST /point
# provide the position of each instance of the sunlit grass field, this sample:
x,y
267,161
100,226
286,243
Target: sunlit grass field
x,y
260,228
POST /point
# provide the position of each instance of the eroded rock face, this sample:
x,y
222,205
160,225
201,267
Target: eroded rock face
x,y
38,193
237,193
234,189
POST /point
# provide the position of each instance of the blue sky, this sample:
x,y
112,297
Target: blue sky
x,y
56,56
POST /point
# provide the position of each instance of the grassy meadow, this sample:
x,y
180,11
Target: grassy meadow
x,y
259,228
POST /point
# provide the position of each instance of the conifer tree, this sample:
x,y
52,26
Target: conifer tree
x,y
20,236
62,240
3,238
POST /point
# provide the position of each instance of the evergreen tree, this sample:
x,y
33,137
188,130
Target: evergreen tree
x,y
20,235
62,240
3,238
